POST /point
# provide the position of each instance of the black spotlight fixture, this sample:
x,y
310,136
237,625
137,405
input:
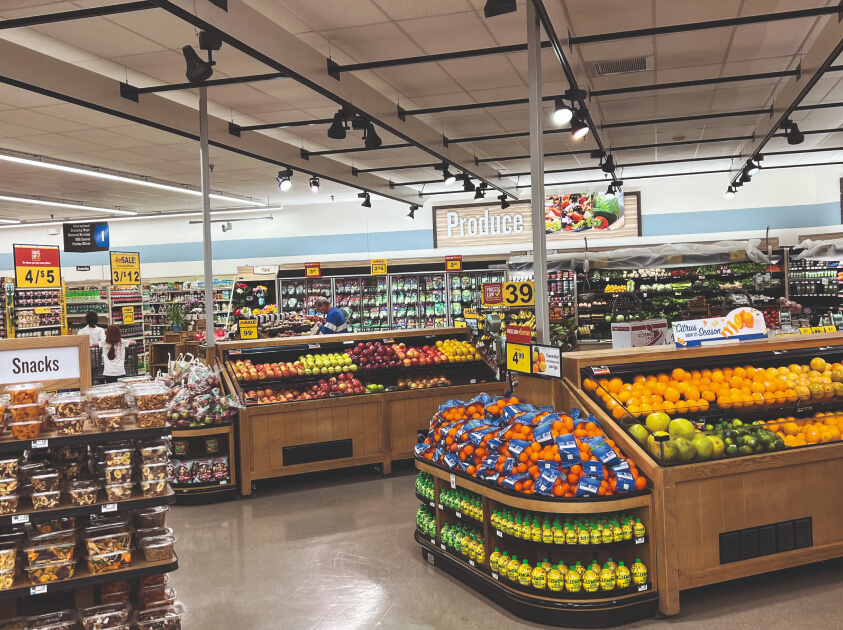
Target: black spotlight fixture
x,y
467,184
338,128
730,192
753,167
608,165
199,70
447,176
480,193
745,177
412,213
370,137
494,8
794,136
504,203
284,179
562,113
610,192
579,128
367,201
314,184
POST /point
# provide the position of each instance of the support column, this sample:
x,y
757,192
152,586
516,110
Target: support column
x,y
534,72
207,254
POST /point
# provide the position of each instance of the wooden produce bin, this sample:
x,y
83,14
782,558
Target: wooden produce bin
x,y
730,518
297,437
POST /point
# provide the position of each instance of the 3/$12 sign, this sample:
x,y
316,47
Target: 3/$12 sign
x,y
125,268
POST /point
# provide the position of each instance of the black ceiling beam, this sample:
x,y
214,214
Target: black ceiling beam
x,y
696,83
284,125
630,165
660,121
67,16
133,93
401,145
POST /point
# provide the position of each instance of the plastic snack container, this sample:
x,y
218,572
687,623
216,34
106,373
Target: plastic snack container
x,y
152,517
111,561
51,572
73,425
158,548
119,491
83,492
64,620
163,618
23,393
68,405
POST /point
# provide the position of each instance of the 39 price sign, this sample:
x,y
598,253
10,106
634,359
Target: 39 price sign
x,y
125,268
519,294
37,266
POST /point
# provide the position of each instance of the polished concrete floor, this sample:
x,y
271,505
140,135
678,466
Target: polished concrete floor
x,y
323,553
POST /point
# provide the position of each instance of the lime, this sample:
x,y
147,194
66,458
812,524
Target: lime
x,y
731,450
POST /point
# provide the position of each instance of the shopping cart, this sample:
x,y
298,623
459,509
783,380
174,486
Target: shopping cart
x,y
131,364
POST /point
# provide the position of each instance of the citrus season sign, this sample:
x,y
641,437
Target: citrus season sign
x,y
125,268
37,266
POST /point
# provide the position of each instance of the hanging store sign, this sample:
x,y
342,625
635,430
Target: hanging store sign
x,y
125,268
453,263
519,334
378,266
128,314
509,294
313,270
85,237
740,325
265,270
547,361
37,267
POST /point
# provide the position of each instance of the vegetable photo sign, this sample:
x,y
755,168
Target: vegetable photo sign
x,y
740,325
577,212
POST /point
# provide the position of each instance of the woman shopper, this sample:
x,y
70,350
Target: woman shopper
x,y
114,354
94,331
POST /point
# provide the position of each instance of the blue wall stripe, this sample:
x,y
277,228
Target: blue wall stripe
x,y
248,249
741,219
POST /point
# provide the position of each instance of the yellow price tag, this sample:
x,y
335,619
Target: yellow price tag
x,y
829,328
313,270
806,331
378,266
737,255
470,313
42,310
519,294
459,324
125,268
248,328
453,263
37,267
128,314
518,357
818,329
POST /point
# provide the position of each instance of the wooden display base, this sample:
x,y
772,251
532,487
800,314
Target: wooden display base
x,y
576,610
701,509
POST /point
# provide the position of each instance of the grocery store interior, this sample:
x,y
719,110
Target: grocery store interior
x,y
561,279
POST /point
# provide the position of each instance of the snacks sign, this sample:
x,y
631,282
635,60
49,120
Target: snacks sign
x,y
740,325
39,364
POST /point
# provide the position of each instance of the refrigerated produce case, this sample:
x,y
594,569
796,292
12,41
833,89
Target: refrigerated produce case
x,y
465,289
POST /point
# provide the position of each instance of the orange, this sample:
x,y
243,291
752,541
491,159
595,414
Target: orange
x,y
696,375
660,389
663,378
668,407
679,374
681,408
709,395
758,386
624,396
693,406
682,386
634,411
671,394
790,428
692,393
813,435
724,402
717,377
638,378
615,385
703,403
736,381
750,371
706,373
646,409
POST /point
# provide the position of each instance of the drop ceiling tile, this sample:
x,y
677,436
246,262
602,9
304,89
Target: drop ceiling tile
x,y
281,16
149,134
36,120
409,9
607,16
71,141
158,26
165,66
744,97
610,51
446,33
99,36
328,15
474,74
769,39
670,12
423,80
692,49
375,42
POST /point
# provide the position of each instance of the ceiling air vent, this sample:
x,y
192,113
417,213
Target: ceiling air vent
x,y
622,66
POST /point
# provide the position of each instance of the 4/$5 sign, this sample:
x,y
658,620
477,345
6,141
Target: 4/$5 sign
x,y
462,226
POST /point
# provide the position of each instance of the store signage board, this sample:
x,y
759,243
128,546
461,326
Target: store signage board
x,y
83,267
547,361
459,323
566,217
85,237
742,324
519,334
470,313
128,314
379,266
37,266
265,270
248,328
39,364
509,294
313,270
125,268
453,263
518,357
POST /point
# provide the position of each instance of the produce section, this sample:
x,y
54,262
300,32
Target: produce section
x,y
497,515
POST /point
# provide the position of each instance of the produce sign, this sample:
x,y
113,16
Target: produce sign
x,y
125,268
547,361
518,357
577,212
37,267
741,324
248,328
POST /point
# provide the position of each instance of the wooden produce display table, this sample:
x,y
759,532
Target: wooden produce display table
x,y
290,438
728,518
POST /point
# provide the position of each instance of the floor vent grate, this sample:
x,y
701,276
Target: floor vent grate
x,y
316,452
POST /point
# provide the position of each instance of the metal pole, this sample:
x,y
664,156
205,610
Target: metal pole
x,y
207,255
534,72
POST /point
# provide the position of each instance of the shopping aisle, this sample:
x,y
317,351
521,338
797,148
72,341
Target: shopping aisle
x,y
314,553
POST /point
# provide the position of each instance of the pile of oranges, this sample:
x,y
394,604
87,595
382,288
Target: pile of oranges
x,y
741,387
823,427
496,446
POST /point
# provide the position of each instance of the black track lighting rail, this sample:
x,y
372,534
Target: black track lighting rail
x,y
133,93
675,119
309,154
67,16
336,70
778,74
235,130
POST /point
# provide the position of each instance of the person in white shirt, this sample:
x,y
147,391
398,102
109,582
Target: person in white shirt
x,y
114,354
93,329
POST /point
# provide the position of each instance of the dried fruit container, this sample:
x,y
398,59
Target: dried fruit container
x,y
68,405
9,466
112,419
118,455
28,411
111,561
105,616
107,538
8,486
105,397
8,555
164,618
7,578
64,620
151,489
9,504
83,492
44,481
23,393
119,491
118,474
156,579
153,451
156,596
51,572
66,524
18,623
153,472
26,429
158,548
46,551
152,418
152,517
148,396
45,500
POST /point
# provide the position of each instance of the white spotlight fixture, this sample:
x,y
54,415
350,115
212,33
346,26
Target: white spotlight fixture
x,y
284,179
579,128
562,114
730,192
610,192
753,167
447,176
314,184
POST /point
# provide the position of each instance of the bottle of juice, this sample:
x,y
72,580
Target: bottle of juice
x,y
512,569
582,536
493,560
571,537
562,567
638,529
555,579
503,563
548,533
539,577
525,573
617,532
526,530
536,535
627,530
623,578
465,544
480,554
579,568
607,578
607,533
516,528
573,581
494,519
639,572
596,535
546,565
472,548
590,580
611,564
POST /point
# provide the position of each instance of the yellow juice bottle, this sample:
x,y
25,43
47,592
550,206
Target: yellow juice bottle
x,y
623,578
536,535
555,579
480,555
525,573
611,564
516,528
493,560
512,569
607,534
465,545
547,565
617,532
562,568
571,537
495,519
590,580
607,578
638,529
579,568
548,534
595,537
627,530
582,536
539,577
573,581
639,572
